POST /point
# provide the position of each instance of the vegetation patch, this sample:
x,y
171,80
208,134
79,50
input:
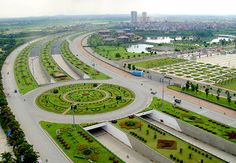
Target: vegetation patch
x,y
78,144
208,95
70,57
204,123
89,98
164,143
157,62
24,79
53,69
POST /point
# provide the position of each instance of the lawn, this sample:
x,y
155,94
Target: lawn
x,y
24,79
164,143
78,144
211,98
116,52
228,84
157,62
89,98
70,57
52,68
207,124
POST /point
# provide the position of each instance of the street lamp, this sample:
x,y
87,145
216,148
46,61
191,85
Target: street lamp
x,y
163,90
73,107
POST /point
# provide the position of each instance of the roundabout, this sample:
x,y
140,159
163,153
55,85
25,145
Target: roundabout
x,y
89,98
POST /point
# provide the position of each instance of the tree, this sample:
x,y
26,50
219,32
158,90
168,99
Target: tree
x,y
197,87
207,90
117,55
7,157
218,93
192,87
228,96
187,85
124,65
133,67
129,66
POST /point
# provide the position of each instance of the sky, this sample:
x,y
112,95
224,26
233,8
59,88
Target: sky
x,y
26,8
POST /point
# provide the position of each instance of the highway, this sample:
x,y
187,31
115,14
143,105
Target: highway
x,y
29,115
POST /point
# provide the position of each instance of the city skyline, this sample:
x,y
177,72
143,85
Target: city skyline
x,y
16,8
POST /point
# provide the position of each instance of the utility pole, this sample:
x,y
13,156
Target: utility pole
x,y
163,90
73,107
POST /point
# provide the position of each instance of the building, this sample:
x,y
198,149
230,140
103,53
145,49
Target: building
x,y
123,38
144,17
134,17
104,32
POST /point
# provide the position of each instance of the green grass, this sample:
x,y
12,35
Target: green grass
x,y
72,137
194,119
24,79
157,62
90,98
50,65
70,57
211,98
151,141
110,52
229,84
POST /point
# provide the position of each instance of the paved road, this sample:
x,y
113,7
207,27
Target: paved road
x,y
29,115
119,148
65,67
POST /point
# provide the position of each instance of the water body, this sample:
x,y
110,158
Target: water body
x,y
138,48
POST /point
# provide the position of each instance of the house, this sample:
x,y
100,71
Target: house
x,y
123,38
104,32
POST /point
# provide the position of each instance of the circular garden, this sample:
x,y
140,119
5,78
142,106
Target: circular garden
x,y
89,98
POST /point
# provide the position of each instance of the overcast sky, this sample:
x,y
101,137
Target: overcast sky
x,y
25,8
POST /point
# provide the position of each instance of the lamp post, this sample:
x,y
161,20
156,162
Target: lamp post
x,y
73,107
163,90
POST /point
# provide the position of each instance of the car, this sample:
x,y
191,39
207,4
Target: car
x,y
178,101
154,93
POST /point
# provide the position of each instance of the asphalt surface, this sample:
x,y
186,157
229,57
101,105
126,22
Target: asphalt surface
x,y
29,115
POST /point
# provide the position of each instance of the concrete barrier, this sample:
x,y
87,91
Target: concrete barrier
x,y
207,137
146,151
76,70
194,132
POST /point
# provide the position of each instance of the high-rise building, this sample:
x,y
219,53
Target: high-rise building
x,y
144,17
134,16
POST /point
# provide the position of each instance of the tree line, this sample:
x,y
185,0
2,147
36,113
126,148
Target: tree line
x,y
23,151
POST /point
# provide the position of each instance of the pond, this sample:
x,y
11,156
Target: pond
x,y
139,48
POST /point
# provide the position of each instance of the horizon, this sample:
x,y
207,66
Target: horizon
x,y
40,8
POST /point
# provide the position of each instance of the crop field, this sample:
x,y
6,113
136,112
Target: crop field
x,y
70,57
89,98
24,79
164,143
